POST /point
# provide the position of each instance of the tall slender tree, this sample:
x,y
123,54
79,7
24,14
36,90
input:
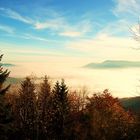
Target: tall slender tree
x,y
3,75
44,108
5,109
60,108
26,109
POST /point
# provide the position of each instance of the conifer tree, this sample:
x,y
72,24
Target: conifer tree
x,y
44,108
26,109
60,108
3,76
5,109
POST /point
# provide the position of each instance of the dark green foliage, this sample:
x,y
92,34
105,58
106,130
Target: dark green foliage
x,y
60,110
55,115
5,108
3,76
132,104
26,111
44,110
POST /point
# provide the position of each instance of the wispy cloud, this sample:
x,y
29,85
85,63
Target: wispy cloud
x,y
35,38
102,40
33,51
6,29
32,37
55,22
116,28
15,15
75,30
127,8
61,26
70,33
128,13
105,46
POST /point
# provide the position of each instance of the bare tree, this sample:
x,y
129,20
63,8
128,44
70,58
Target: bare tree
x,y
135,31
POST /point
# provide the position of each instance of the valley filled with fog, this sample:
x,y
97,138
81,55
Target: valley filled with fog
x,y
122,82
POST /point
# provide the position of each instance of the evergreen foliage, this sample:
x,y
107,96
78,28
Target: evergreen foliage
x,y
60,108
58,114
44,110
5,108
26,109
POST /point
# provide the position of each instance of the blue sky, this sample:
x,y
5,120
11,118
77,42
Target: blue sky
x,y
57,37
75,28
54,20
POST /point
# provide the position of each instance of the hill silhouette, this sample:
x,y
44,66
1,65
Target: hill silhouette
x,y
114,64
7,65
132,104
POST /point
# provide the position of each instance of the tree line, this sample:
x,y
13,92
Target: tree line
x,y
53,112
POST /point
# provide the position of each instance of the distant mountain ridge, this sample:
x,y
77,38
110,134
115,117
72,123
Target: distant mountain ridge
x,y
12,80
132,103
114,64
7,64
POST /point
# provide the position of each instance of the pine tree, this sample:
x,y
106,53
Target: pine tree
x,y
3,76
44,108
26,109
5,109
60,108
65,109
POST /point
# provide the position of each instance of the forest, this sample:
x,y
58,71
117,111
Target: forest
x,y
53,112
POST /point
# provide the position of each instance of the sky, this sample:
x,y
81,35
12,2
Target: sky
x,y
68,33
